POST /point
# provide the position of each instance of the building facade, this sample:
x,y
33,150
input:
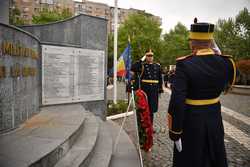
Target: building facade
x,y
92,8
28,8
105,11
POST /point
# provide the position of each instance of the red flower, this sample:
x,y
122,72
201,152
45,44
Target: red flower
x,y
144,121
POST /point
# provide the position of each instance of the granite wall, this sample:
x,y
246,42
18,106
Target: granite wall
x,y
4,11
82,31
20,82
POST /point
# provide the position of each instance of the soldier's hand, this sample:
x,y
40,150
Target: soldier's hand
x,y
173,136
143,58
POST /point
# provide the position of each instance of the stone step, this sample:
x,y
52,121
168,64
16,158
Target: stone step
x,y
104,147
43,139
125,154
81,152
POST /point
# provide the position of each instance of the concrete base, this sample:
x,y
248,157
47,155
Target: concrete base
x,y
66,136
44,139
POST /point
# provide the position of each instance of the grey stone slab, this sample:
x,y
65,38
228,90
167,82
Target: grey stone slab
x,y
38,121
125,154
6,162
29,149
44,139
89,137
68,119
84,145
9,139
96,107
104,147
53,131
73,158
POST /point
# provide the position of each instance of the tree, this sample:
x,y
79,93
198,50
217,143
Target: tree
x,y
242,22
15,17
233,35
175,44
233,38
48,16
144,32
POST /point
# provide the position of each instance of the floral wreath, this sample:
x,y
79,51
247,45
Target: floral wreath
x,y
143,119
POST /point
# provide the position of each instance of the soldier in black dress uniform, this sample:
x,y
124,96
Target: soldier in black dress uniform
x,y
148,77
194,113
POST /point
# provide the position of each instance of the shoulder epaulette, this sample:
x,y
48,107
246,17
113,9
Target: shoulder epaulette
x,y
183,57
227,56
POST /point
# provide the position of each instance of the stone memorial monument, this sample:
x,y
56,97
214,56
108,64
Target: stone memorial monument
x,y
51,64
74,61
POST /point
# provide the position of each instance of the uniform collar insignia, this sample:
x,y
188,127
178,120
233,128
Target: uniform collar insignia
x,y
202,52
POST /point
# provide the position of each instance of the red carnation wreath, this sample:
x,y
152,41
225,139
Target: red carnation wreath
x,y
143,119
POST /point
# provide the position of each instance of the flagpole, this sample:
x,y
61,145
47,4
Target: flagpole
x,y
115,51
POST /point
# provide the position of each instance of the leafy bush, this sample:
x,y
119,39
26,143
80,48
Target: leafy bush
x,y
48,16
120,107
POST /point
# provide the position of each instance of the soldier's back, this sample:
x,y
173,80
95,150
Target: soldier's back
x,y
207,75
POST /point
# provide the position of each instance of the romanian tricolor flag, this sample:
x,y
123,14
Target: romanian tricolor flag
x,y
124,63
121,68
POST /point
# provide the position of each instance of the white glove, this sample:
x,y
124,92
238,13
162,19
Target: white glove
x,y
143,58
178,145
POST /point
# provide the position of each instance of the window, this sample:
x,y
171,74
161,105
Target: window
x,y
36,10
25,16
47,2
26,9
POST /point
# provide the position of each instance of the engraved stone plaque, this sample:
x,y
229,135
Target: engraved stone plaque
x,y
90,74
72,74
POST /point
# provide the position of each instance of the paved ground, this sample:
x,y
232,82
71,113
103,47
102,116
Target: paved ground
x,y
236,119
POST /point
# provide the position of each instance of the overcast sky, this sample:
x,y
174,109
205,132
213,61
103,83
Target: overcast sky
x,y
184,11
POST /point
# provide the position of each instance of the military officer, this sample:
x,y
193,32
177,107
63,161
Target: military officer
x,y
194,114
149,79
